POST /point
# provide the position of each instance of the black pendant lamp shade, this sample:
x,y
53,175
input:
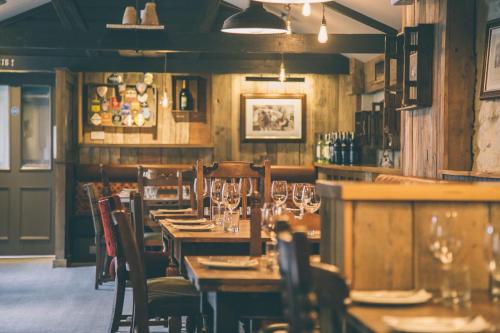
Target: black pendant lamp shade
x,y
254,20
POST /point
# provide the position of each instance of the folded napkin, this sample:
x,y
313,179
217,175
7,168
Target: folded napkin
x,y
390,296
166,211
437,324
186,221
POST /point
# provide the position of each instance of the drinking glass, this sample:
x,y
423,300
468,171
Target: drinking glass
x,y
216,191
279,191
443,243
492,256
311,198
456,285
271,258
231,197
297,196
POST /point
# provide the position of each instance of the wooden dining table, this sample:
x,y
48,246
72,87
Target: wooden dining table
x,y
232,294
216,242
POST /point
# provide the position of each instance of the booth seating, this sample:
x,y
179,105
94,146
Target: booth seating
x,y
394,179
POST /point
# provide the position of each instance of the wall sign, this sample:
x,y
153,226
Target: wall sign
x,y
6,62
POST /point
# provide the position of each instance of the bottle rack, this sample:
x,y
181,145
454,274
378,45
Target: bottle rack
x,y
198,88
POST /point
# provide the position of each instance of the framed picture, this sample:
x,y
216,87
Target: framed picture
x,y
490,85
278,118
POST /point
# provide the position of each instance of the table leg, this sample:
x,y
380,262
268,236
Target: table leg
x,y
225,316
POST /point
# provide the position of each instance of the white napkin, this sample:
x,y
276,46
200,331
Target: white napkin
x,y
437,324
390,296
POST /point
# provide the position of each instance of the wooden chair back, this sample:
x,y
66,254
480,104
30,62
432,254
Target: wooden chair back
x,y
93,196
161,178
299,300
106,206
331,290
128,250
106,184
136,210
260,175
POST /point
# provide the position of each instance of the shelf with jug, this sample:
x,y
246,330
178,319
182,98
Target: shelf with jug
x,y
147,20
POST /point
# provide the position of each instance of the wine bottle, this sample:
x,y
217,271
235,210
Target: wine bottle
x,y
319,144
337,159
332,148
344,150
353,150
185,98
326,149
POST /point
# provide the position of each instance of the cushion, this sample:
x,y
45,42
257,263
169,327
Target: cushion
x,y
172,296
153,239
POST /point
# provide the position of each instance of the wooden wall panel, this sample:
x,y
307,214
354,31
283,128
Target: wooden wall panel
x,y
328,109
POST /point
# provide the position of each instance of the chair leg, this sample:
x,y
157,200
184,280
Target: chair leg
x,y
98,268
175,325
118,302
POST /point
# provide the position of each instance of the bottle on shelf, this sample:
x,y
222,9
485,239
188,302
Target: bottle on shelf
x,y
319,144
344,149
326,149
185,98
337,159
331,148
353,150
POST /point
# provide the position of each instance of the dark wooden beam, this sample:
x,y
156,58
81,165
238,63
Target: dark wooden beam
x,y
165,41
298,64
69,15
360,17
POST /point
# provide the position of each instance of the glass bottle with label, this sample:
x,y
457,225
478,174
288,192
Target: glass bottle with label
x,y
326,149
319,145
344,150
332,148
185,98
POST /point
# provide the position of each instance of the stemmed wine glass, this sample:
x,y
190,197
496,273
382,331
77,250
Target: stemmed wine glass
x,y
492,256
216,195
205,187
298,198
249,186
279,191
311,198
231,197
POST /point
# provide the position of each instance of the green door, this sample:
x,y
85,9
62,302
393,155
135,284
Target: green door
x,y
26,170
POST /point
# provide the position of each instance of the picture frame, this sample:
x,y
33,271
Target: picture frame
x,y
273,117
490,82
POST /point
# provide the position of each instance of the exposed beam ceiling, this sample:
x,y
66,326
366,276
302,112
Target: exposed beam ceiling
x,y
209,15
11,38
69,15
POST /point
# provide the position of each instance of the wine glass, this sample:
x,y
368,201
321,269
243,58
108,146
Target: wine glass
x,y
216,191
492,256
231,195
311,198
279,191
249,186
205,187
443,243
297,196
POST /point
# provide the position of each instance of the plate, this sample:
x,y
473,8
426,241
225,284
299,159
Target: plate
x,y
196,227
390,296
229,262
187,221
172,211
437,324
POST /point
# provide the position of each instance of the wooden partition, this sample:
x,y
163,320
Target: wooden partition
x,y
378,234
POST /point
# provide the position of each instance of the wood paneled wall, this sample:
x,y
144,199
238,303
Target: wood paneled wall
x,y
330,106
439,137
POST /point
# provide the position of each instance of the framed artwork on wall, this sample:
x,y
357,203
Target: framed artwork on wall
x,y
490,83
273,117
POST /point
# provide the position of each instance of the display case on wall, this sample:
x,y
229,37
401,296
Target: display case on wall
x,y
194,110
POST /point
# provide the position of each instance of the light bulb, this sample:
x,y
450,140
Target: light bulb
x,y
306,9
164,100
282,77
288,27
323,32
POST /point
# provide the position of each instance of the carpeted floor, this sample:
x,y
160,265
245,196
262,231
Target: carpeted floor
x,y
36,298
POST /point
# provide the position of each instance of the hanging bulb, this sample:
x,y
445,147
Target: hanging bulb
x,y
323,31
164,100
288,27
306,9
282,77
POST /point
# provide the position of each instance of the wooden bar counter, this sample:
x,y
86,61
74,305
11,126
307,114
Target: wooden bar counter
x,y
378,234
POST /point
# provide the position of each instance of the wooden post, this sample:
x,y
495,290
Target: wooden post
x,y
255,226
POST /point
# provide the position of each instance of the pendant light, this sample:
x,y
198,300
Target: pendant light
x,y
288,19
282,75
165,101
254,20
323,31
306,8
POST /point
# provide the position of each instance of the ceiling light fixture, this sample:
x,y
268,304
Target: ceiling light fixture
x,y
165,101
306,8
282,75
288,19
254,20
323,31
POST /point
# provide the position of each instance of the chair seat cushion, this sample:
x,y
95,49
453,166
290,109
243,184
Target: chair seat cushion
x,y
153,239
155,263
172,296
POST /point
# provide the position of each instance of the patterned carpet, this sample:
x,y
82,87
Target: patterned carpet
x,y
35,298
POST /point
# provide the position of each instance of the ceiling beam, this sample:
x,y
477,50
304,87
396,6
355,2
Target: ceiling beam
x,y
298,64
360,17
69,15
164,41
208,15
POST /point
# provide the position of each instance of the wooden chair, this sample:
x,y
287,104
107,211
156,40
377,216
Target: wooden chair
x,y
299,300
232,170
161,297
161,178
101,258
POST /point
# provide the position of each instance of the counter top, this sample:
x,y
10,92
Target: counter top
x,y
359,168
